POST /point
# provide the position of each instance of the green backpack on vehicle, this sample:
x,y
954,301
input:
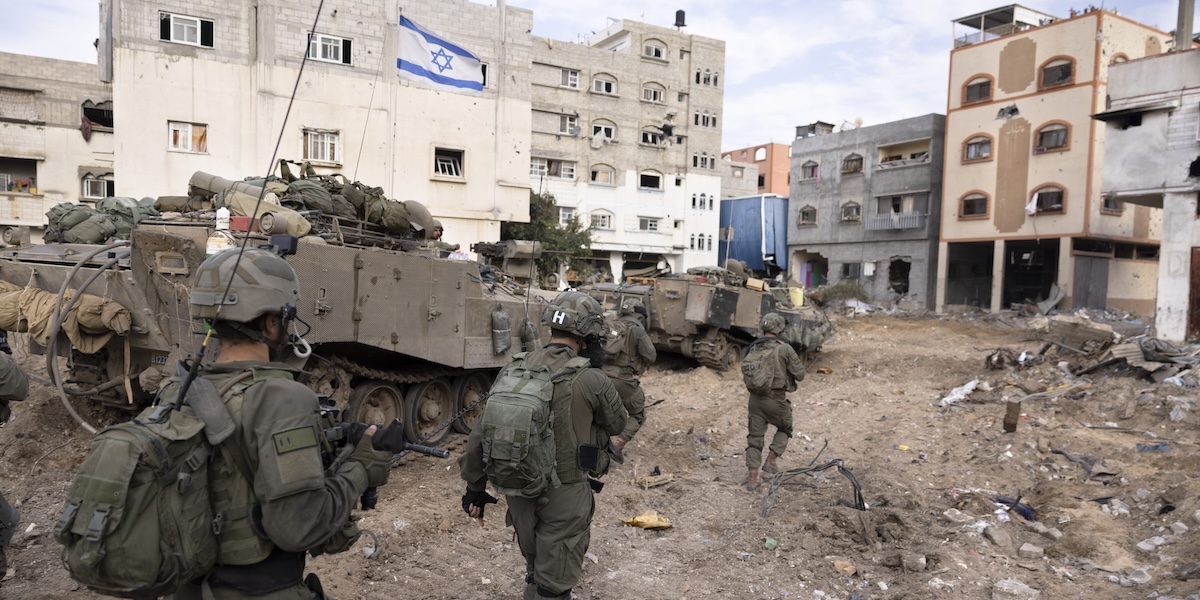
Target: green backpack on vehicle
x,y
518,427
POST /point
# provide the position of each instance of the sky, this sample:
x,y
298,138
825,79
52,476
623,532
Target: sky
x,y
787,62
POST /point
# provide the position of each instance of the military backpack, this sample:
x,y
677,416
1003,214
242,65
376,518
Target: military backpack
x,y
761,367
518,427
619,348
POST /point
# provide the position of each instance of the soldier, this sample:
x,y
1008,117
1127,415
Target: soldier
x,y
13,386
772,407
436,242
553,528
290,505
631,352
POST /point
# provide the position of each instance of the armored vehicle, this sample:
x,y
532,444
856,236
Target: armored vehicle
x,y
396,331
708,315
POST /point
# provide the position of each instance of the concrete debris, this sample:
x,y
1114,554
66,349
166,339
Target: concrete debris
x,y
1188,571
1151,544
1140,576
1028,550
1013,589
957,516
1179,528
998,536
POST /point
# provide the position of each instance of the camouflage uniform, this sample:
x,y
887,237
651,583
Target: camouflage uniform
x,y
292,505
13,386
773,408
553,529
625,376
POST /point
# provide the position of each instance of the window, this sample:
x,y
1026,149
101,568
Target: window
x,y
604,129
704,161
328,48
448,163
760,154
809,170
99,115
692,241
654,49
1059,71
1052,137
650,180
185,30
543,167
602,220
851,212
852,164
709,245
322,146
738,172
978,148
94,188
703,201
1119,58
851,270
1112,206
604,85
1049,199
187,137
808,216
603,175
570,78
978,90
704,119
483,68
651,137
565,214
568,124
654,93
700,242
707,77
973,205
762,181
647,224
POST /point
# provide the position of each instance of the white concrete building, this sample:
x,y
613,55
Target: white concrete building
x,y
56,137
205,86
627,136
1152,158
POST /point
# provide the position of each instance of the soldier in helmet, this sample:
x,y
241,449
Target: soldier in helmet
x,y
435,240
773,407
276,500
627,354
553,528
13,386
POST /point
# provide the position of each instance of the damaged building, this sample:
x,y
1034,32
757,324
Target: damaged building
x,y
1023,218
864,207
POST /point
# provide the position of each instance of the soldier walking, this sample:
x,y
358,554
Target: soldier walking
x,y
627,355
779,368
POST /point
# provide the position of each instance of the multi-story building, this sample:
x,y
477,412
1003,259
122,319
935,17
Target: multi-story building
x,y
737,178
627,136
208,87
865,206
1023,217
56,137
1152,158
774,166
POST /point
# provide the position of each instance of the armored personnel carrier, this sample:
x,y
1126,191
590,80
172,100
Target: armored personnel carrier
x,y
396,331
709,315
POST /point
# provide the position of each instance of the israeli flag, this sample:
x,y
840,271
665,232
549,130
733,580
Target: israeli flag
x,y
438,62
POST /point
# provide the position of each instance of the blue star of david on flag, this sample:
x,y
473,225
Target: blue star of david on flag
x,y
436,61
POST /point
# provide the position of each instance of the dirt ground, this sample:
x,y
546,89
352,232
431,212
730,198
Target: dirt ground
x,y
873,395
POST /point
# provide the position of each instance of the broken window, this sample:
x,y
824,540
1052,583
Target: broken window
x,y
809,169
18,175
1049,199
852,164
182,29
851,211
808,216
973,205
1058,72
99,115
652,137
1052,137
978,90
978,148
322,146
568,124
603,175
329,48
604,85
650,180
448,163
570,78
187,137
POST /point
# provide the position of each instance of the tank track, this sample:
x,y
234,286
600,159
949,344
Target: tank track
x,y
709,354
394,376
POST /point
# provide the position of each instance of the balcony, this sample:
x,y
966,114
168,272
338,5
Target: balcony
x,y
895,221
999,22
920,159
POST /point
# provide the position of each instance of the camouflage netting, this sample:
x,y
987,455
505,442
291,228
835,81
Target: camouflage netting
x,y
90,324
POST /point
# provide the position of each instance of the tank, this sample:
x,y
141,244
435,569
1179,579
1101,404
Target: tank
x,y
709,315
396,330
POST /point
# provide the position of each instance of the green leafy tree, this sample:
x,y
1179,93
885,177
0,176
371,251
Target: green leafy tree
x,y
569,244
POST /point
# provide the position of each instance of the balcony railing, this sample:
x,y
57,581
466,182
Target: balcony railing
x,y
905,162
990,34
886,221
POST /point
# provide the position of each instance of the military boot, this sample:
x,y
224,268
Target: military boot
x,y
770,466
752,480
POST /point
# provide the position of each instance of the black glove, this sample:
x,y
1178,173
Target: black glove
x,y
593,350
480,499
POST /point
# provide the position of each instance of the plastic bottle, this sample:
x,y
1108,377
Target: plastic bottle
x,y
222,219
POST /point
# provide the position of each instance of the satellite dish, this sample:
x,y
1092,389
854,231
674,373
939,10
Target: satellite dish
x,y
574,131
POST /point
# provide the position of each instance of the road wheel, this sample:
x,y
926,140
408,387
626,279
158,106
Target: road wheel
x,y
429,405
468,389
734,353
375,401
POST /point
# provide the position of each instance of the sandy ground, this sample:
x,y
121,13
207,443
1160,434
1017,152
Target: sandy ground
x,y
873,396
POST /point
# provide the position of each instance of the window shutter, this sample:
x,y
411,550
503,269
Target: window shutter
x,y
206,33
345,52
164,27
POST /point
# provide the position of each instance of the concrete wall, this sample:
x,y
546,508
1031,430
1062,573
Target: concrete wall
x,y
240,89
738,179
774,168
687,161
852,241
49,134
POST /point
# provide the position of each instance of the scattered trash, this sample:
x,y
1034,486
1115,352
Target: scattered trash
x,y
1015,505
771,544
399,524
484,580
901,447
591,557
745,555
648,520
824,370
959,393
1154,448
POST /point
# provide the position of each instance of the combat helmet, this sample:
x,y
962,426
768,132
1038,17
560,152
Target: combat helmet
x,y
575,313
633,306
264,283
773,323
